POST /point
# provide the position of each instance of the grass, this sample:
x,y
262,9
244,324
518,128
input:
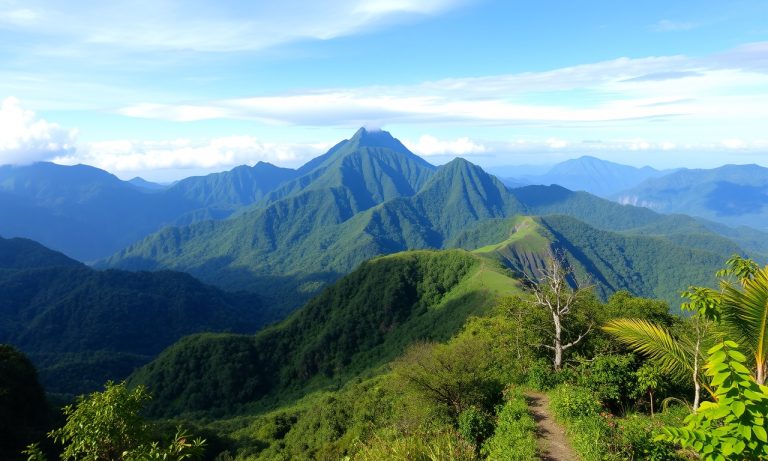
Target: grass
x,y
526,235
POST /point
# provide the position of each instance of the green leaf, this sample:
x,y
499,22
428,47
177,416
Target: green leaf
x,y
715,348
760,433
719,379
738,356
739,368
738,410
719,412
745,432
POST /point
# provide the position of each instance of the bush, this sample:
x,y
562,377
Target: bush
x,y
541,376
475,425
572,402
590,437
515,436
579,409
598,436
633,440
609,377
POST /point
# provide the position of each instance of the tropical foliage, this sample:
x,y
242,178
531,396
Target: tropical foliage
x,y
106,426
734,425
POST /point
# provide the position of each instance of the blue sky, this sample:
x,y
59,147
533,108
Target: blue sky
x,y
166,89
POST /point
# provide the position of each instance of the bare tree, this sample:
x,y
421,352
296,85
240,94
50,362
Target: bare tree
x,y
551,291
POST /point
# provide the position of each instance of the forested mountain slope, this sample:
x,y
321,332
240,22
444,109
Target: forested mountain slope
x,y
362,321
82,327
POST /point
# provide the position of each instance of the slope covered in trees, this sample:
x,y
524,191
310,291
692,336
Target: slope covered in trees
x,y
370,196
644,265
364,320
82,327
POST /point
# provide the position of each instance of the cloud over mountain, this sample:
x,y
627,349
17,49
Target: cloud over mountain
x,y
26,138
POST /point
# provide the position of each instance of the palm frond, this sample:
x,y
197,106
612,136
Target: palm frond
x,y
745,312
653,341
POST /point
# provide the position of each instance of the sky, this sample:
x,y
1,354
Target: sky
x,y
167,89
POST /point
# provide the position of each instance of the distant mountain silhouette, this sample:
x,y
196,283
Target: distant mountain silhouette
x,y
89,214
589,174
731,194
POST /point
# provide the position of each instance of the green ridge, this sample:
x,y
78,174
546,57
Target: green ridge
x,y
361,322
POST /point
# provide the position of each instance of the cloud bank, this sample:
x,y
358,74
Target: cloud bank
x,y
711,98
25,138
170,160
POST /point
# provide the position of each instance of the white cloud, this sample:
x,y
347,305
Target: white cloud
x,y
734,144
678,90
429,145
203,26
174,159
25,138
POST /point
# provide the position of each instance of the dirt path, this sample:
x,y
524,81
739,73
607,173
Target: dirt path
x,y
553,444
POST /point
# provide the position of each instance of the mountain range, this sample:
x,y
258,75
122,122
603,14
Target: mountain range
x,y
370,196
588,174
88,214
736,195
82,327
284,235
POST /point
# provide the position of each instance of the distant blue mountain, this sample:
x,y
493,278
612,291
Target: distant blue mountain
x,y
148,186
732,194
89,214
589,174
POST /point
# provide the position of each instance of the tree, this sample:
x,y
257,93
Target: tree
x,y
453,376
106,426
675,353
553,293
23,408
744,310
648,380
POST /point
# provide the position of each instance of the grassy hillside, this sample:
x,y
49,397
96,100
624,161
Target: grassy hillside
x,y
364,320
648,266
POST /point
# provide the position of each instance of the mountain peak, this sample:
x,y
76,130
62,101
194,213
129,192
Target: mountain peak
x,y
368,137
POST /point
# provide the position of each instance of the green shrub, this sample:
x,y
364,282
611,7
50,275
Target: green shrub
x,y
609,377
475,425
633,441
599,436
572,402
541,376
515,436
590,437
